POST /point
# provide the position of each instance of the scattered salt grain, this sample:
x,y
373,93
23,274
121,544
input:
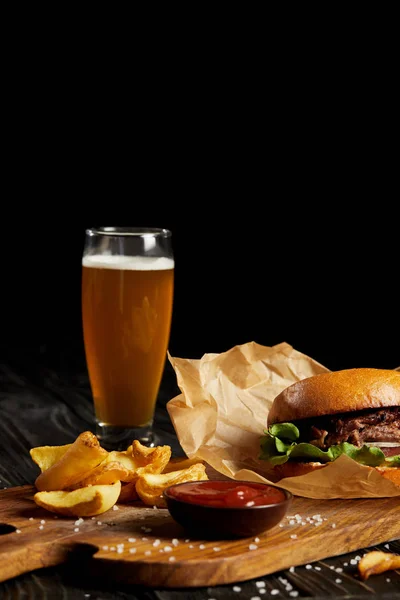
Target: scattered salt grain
x,y
76,529
156,543
120,550
132,540
338,580
79,522
216,549
388,579
358,557
175,542
291,570
144,539
191,546
115,507
17,531
30,518
333,525
99,523
339,570
167,549
40,526
274,592
260,584
253,547
147,553
236,588
256,540
353,561
105,548
317,568
387,546
293,537
202,546
346,564
171,558
132,550
187,541
308,567
292,522
294,594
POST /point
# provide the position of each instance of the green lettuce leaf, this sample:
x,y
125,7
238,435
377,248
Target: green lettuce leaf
x,y
394,461
279,444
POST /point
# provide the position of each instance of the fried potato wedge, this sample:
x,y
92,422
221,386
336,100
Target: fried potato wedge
x,y
105,474
151,486
84,502
46,456
128,493
178,464
376,562
74,465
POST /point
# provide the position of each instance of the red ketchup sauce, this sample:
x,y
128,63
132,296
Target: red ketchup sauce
x,y
227,494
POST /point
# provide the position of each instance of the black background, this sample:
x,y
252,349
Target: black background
x,y
247,269
279,184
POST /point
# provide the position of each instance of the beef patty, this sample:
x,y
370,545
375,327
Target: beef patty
x,y
377,425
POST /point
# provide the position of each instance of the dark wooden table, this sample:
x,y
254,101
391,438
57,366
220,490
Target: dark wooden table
x,y
48,401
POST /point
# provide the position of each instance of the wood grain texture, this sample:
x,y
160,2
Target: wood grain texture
x,y
143,545
45,398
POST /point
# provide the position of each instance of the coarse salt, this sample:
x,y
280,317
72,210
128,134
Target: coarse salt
x,y
253,547
260,584
216,549
132,550
293,537
115,507
132,540
171,558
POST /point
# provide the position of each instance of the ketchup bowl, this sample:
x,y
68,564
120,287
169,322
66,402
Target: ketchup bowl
x,y
227,508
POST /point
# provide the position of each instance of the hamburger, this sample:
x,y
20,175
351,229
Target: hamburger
x,y
354,412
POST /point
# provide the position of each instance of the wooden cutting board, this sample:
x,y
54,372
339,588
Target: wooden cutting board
x,y
142,545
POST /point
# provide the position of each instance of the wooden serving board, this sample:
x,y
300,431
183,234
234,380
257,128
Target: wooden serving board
x,y
162,556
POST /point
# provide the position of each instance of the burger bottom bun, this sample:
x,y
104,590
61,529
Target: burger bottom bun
x,y
295,469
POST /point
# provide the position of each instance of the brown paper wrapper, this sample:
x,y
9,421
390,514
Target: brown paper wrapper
x,y
222,411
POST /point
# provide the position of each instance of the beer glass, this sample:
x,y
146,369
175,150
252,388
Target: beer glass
x,y
127,299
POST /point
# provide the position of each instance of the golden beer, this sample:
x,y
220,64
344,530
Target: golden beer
x,y
127,312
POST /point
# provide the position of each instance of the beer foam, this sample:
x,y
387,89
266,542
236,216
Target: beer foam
x,y
128,263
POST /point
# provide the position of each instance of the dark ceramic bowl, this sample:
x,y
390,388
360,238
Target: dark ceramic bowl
x,y
224,522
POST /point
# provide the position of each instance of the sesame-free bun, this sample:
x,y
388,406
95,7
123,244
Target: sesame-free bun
x,y
336,392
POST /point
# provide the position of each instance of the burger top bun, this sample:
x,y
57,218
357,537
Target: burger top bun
x,y
336,392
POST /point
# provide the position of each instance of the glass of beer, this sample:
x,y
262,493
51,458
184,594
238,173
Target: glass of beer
x,y
127,299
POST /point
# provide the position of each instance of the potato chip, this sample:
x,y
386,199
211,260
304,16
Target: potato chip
x,y
151,486
128,493
105,474
46,456
84,502
376,562
178,464
74,465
